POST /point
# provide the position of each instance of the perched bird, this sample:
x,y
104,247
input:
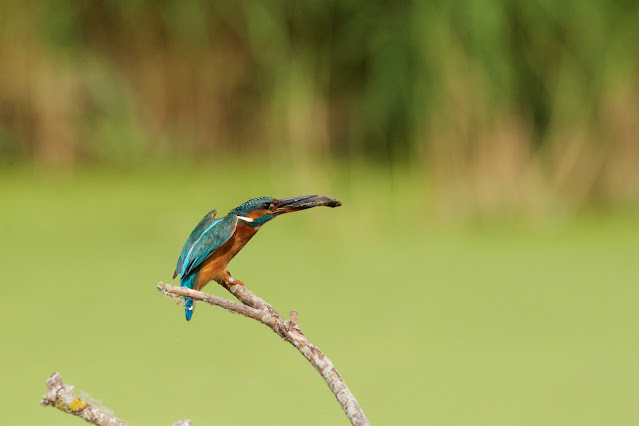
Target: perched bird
x,y
214,242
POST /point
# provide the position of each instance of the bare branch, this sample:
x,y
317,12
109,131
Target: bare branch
x,y
229,305
61,396
256,308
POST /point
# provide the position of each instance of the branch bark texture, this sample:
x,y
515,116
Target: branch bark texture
x,y
61,396
254,307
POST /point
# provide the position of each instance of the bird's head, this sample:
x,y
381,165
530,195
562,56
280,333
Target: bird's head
x,y
258,211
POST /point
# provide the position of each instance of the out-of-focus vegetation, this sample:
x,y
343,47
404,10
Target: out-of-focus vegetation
x,y
502,104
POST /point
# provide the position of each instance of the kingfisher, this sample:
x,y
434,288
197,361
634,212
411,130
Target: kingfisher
x,y
214,242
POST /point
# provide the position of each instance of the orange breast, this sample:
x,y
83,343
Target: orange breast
x,y
214,267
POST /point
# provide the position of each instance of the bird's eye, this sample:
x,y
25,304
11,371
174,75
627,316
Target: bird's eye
x,y
267,206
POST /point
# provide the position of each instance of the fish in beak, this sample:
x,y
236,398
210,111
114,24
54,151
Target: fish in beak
x,y
288,205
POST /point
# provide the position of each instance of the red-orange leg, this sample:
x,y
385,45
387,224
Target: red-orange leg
x,y
233,281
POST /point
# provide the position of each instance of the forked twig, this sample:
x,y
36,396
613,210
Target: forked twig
x,y
254,307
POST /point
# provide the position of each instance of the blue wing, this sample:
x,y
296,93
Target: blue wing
x,y
207,236
206,221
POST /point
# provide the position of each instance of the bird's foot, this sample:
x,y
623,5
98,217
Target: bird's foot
x,y
233,282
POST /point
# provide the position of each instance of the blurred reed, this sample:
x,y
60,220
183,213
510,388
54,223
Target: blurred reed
x,y
502,105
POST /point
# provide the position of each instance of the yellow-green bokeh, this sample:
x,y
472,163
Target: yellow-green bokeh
x,y
428,323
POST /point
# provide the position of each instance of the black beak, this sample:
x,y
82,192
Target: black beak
x,y
305,202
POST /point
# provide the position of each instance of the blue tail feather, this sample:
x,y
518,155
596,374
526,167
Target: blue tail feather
x,y
189,305
188,308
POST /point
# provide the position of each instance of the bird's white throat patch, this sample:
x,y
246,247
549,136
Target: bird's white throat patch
x,y
245,219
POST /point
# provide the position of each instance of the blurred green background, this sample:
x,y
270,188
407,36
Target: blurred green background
x,y
482,269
